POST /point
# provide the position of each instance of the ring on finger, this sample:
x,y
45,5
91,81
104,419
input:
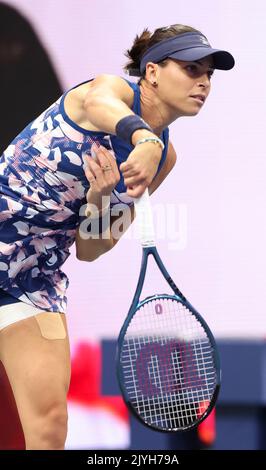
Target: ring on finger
x,y
106,168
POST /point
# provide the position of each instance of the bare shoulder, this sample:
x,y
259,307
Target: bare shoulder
x,y
104,84
167,167
112,85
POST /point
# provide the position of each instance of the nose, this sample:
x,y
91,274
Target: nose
x,y
204,81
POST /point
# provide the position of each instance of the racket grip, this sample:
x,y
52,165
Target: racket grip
x,y
144,219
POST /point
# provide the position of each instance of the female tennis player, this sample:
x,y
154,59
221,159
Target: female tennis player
x,y
101,144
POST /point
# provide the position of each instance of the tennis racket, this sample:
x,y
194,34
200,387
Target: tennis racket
x,y
167,360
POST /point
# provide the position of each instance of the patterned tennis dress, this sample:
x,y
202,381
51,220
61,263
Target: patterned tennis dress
x,y
42,187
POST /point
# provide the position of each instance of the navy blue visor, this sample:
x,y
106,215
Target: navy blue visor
x,y
188,47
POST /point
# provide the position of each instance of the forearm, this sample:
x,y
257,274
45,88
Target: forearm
x,y
115,225
92,238
105,111
90,249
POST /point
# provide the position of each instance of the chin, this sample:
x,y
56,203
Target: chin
x,y
191,113
182,112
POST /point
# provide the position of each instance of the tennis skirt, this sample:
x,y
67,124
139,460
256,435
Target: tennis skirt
x,y
13,310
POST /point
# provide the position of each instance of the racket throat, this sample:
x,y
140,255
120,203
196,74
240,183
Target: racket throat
x,y
166,275
146,252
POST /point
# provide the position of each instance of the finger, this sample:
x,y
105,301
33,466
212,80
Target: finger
x,y
104,161
88,159
109,154
101,151
130,173
110,159
87,169
133,181
105,177
109,177
109,166
94,149
125,166
130,167
136,191
96,171
91,179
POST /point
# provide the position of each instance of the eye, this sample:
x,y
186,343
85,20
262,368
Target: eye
x,y
192,69
195,70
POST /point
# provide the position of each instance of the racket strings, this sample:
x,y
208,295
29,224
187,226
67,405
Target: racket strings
x,y
168,366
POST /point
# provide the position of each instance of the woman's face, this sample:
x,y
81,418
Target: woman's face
x,y
184,86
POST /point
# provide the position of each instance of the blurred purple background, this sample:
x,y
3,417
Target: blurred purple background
x,y
216,192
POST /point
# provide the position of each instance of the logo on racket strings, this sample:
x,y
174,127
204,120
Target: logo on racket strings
x,y
167,368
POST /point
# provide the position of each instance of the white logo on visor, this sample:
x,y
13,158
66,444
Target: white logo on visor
x,y
204,41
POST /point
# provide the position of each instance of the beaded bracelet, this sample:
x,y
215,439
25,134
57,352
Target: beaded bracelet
x,y
154,140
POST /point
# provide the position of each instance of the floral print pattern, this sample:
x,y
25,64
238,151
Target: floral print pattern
x,y
42,187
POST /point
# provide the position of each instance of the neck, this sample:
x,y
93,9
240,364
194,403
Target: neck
x,y
152,109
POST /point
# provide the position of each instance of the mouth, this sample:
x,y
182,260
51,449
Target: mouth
x,y
200,98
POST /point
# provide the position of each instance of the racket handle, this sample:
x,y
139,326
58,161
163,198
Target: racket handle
x,y
144,219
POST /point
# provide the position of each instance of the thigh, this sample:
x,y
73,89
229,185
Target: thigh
x,y
38,368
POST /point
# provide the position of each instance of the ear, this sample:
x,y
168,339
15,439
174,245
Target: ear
x,y
152,73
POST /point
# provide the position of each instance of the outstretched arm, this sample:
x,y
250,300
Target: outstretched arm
x,y
107,102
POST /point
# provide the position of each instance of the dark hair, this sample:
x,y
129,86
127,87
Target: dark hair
x,y
148,39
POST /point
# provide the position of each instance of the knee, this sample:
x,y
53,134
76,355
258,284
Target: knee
x,y
49,430
54,429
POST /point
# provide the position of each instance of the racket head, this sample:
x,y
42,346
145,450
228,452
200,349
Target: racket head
x,y
167,364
